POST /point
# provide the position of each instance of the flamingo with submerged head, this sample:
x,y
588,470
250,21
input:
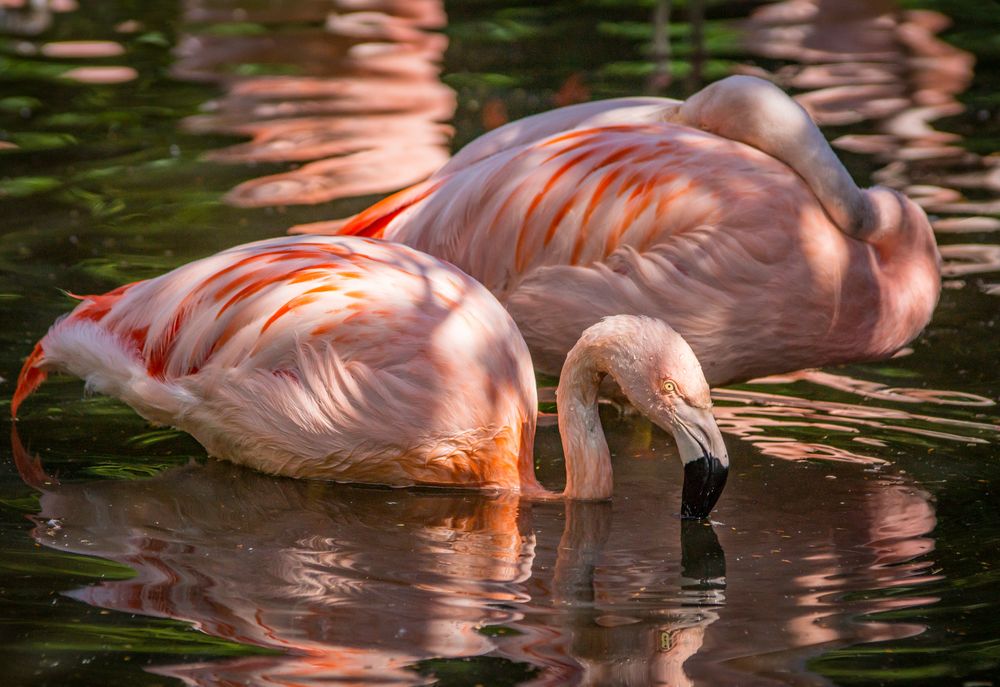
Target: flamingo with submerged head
x,y
727,215
358,360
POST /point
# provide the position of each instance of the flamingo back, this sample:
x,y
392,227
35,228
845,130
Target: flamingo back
x,y
576,197
723,241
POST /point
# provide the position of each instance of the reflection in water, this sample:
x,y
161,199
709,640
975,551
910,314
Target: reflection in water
x,y
349,582
761,417
349,86
864,60
881,392
35,17
31,17
963,259
359,584
774,423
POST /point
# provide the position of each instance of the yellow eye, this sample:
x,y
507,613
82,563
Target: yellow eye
x,y
669,387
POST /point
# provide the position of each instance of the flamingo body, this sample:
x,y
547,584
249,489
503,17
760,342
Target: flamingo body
x,y
763,262
332,357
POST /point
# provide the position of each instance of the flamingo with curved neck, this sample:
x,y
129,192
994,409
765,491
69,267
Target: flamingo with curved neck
x,y
727,215
660,376
357,360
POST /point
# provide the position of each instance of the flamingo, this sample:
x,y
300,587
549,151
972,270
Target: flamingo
x,y
352,359
727,215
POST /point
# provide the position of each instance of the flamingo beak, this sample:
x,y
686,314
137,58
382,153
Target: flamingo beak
x,y
706,461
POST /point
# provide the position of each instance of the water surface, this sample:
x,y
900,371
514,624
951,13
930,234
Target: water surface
x,y
856,542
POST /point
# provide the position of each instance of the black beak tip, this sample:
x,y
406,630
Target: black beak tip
x,y
704,480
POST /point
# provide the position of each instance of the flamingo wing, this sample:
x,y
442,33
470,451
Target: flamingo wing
x,y
247,303
509,137
581,116
577,197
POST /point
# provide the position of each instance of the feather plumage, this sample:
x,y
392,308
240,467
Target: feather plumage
x,y
715,215
341,358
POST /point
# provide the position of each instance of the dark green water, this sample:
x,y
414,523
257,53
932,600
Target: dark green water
x,y
857,543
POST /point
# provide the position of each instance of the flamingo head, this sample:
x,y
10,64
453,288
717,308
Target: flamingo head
x,y
899,228
909,269
661,376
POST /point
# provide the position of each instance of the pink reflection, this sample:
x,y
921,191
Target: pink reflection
x,y
350,589
82,49
963,259
791,552
894,522
882,392
34,17
959,225
862,61
770,422
429,13
363,106
355,585
101,75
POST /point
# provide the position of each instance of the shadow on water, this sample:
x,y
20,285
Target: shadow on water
x,y
357,584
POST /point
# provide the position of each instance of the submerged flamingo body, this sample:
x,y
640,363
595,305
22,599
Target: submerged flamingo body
x,y
727,216
352,359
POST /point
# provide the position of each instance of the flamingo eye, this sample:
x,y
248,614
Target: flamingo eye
x,y
668,387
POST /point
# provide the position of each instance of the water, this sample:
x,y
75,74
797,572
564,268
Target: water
x,y
855,544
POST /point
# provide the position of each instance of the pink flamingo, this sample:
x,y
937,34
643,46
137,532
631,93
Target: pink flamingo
x,y
351,359
727,215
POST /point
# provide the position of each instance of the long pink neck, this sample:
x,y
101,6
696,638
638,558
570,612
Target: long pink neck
x,y
758,113
588,460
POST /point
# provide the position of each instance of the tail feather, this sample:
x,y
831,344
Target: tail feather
x,y
93,308
373,221
29,467
30,378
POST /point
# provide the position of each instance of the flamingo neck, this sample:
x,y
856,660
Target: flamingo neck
x,y
588,460
777,125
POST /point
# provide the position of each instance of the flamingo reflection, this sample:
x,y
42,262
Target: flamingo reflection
x,y
35,18
357,584
755,616
769,421
349,87
864,61
352,583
